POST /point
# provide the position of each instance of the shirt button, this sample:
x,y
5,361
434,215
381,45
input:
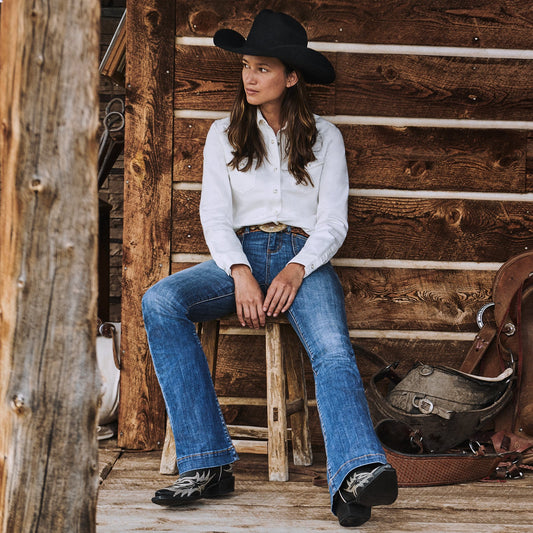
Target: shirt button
x,y
272,141
275,170
275,191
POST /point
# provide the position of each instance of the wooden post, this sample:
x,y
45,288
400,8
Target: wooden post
x,y
48,224
150,34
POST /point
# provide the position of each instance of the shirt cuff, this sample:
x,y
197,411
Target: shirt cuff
x,y
309,268
232,261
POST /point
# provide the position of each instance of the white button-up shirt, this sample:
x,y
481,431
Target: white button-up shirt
x,y
232,199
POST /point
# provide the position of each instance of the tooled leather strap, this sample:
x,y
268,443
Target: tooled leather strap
x,y
480,345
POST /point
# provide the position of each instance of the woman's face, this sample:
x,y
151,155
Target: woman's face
x,y
265,80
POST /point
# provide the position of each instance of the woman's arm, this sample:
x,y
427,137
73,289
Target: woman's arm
x,y
332,205
216,214
216,204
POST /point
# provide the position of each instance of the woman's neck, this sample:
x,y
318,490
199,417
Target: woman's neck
x,y
272,114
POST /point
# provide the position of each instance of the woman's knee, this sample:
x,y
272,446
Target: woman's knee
x,y
161,296
336,354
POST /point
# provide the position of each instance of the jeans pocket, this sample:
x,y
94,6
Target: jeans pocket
x,y
298,242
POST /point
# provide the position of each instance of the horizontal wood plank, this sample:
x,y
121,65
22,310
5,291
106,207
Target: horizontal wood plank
x,y
437,230
381,157
407,158
402,228
436,87
376,85
410,299
488,23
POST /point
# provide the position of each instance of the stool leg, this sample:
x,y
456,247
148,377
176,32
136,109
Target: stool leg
x,y
168,457
299,421
278,462
209,339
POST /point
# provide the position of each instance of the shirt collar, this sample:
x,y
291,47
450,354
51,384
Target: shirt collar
x,y
263,124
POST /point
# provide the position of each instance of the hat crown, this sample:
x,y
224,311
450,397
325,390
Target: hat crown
x,y
271,29
275,34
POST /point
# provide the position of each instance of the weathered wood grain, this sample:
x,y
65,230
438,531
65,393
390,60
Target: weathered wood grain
x,y
382,157
438,230
529,163
259,505
417,228
402,228
214,85
414,299
147,196
376,85
435,159
188,144
437,87
49,380
106,461
491,24
276,413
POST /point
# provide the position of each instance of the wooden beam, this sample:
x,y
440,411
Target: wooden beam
x,y
147,195
48,288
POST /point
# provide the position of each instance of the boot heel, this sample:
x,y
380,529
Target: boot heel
x,y
224,486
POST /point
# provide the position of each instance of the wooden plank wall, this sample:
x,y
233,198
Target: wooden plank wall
x,y
435,103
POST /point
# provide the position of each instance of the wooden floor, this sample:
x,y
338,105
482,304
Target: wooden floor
x,y
130,478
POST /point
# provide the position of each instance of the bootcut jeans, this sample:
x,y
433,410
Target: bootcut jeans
x,y
205,292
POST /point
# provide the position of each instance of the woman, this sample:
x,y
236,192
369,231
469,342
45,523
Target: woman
x,y
274,212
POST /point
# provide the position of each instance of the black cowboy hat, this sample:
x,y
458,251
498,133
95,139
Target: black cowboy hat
x,y
279,35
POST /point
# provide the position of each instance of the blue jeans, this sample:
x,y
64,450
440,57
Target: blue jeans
x,y
206,292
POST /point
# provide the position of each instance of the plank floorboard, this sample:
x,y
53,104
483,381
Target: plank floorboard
x,y
298,505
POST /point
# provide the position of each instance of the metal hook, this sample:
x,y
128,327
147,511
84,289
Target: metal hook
x,y
480,313
112,118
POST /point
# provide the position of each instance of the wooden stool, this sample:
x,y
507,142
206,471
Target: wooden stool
x,y
286,398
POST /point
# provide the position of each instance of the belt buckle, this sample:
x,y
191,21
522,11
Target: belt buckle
x,y
272,227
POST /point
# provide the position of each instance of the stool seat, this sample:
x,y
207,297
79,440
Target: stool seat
x,y
286,400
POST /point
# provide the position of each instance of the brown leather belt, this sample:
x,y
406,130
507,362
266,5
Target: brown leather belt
x,y
272,227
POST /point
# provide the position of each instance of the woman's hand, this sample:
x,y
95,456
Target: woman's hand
x,y
248,297
283,289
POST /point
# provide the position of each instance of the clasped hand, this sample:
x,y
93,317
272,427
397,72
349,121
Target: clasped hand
x,y
252,306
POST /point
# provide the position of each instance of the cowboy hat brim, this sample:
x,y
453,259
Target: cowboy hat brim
x,y
314,66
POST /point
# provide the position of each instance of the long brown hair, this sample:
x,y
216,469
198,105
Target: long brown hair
x,y
248,144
